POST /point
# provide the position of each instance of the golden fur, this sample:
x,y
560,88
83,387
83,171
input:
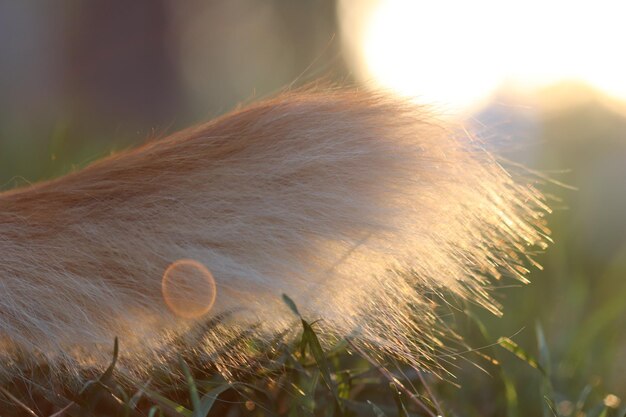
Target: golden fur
x,y
355,204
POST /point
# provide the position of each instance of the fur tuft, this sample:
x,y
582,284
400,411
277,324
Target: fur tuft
x,y
356,205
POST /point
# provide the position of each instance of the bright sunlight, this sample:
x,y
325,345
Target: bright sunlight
x,y
457,53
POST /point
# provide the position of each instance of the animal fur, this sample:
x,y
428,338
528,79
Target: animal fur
x,y
357,205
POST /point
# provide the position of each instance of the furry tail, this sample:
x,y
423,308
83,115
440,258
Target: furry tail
x,y
356,205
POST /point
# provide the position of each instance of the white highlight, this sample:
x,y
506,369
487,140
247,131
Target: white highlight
x,y
458,53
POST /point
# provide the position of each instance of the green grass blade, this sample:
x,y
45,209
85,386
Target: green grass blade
x,y
191,384
402,411
518,351
154,410
168,406
291,305
377,411
208,400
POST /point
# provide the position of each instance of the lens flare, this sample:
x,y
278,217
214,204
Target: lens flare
x,y
188,288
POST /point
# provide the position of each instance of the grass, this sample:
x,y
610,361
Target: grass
x,y
301,378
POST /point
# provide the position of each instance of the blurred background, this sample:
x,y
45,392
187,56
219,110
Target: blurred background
x,y
544,83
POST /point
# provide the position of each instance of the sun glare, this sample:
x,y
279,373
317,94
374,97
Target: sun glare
x,y
457,53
